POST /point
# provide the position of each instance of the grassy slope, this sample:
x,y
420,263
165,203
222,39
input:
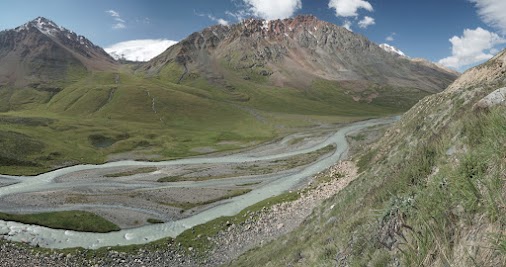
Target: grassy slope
x,y
96,116
432,195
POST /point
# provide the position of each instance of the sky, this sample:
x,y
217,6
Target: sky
x,y
456,33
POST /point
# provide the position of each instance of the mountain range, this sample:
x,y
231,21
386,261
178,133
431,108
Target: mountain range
x,y
295,52
236,85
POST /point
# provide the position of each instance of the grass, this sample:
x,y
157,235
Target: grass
x,y
132,172
154,221
249,184
81,221
414,203
197,237
157,119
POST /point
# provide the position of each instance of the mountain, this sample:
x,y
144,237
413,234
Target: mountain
x,y
40,52
431,193
224,88
295,53
392,49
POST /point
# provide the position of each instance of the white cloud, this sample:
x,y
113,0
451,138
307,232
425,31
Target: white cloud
x,y
349,8
119,25
139,50
391,37
213,18
223,22
239,15
473,47
347,25
492,12
269,9
119,22
366,22
113,13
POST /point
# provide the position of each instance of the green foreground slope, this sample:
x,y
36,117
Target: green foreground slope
x,y
432,192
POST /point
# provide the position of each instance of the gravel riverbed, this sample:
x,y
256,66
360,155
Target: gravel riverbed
x,y
261,227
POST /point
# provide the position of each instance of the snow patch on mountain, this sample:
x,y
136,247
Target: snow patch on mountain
x,y
392,49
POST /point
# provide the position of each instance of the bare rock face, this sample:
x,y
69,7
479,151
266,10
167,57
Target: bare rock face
x,y
295,52
496,98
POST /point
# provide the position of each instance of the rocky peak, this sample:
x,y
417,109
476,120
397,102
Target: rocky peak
x,y
285,27
42,24
392,49
60,34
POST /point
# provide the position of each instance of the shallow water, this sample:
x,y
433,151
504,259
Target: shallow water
x,y
53,238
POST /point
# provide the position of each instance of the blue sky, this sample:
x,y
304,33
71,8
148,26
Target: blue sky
x,y
418,28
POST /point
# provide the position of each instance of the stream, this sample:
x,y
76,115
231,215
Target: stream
x,y
54,238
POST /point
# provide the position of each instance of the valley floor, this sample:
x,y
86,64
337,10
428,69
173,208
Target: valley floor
x,y
257,226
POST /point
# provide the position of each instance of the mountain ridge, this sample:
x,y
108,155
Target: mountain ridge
x,y
49,49
296,51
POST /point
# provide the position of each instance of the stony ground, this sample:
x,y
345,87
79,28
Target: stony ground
x,y
261,227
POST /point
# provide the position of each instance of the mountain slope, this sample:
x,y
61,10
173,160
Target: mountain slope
x,y
294,53
223,88
432,192
39,58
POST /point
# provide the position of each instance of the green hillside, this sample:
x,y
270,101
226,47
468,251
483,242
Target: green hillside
x,y
109,113
431,192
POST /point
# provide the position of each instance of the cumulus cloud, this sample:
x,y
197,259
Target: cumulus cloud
x,y
366,22
473,47
492,12
269,9
349,8
139,50
119,22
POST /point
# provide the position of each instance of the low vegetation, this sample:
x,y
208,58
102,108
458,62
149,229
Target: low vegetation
x,y
157,119
431,197
154,221
81,221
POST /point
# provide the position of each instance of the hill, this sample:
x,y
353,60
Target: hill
x,y
431,192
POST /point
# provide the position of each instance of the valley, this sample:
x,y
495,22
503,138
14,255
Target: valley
x,y
130,198
266,142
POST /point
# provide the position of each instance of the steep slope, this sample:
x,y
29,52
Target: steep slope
x,y
295,53
40,57
432,192
42,51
